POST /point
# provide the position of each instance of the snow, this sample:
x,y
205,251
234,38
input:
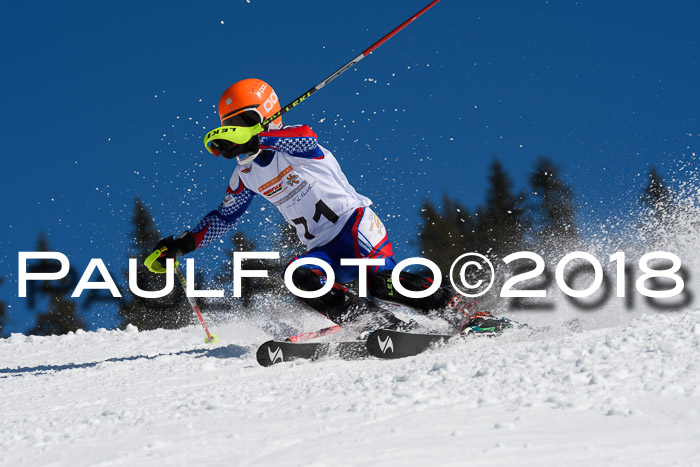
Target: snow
x,y
610,386
628,394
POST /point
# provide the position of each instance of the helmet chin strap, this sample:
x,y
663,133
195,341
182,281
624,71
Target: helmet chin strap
x,y
244,159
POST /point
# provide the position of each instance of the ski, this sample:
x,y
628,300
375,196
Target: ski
x,y
385,343
272,352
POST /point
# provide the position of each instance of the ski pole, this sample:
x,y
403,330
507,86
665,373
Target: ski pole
x,y
241,135
211,338
153,266
345,67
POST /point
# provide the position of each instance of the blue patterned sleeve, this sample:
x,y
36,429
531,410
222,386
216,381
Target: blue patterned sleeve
x,y
215,224
297,141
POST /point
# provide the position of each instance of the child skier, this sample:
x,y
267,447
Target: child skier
x,y
287,167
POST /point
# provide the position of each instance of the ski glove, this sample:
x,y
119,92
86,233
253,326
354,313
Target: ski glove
x,y
176,247
231,150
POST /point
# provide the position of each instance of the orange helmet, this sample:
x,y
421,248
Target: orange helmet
x,y
246,98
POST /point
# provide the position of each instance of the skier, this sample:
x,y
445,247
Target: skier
x,y
289,168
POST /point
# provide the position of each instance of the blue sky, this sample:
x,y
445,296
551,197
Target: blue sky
x,y
104,102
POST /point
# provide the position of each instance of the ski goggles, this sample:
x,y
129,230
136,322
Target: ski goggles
x,y
237,129
248,117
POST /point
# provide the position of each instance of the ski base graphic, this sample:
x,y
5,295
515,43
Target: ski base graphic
x,y
272,352
385,343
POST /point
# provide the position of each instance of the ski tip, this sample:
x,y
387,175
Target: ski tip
x,y
266,357
379,343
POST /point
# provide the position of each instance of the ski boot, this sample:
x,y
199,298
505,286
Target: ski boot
x,y
457,311
461,312
484,323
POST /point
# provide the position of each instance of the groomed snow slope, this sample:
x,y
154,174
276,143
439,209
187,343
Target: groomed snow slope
x,y
623,395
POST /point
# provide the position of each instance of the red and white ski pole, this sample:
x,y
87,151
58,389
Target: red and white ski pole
x,y
241,135
152,264
211,338
345,67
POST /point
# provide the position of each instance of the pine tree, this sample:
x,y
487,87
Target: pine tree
x,y
60,318
495,230
447,234
502,221
169,312
552,206
259,287
61,315
656,196
239,242
285,241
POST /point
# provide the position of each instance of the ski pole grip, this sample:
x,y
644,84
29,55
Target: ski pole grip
x,y
153,265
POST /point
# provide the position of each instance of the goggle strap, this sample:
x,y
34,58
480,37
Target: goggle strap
x,y
234,134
